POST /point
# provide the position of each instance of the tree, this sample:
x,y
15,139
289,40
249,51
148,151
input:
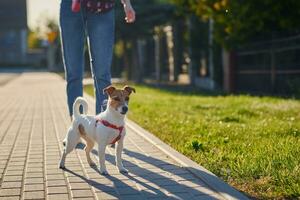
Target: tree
x,y
237,21
34,41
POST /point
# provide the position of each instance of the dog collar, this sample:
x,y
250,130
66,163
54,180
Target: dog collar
x,y
110,125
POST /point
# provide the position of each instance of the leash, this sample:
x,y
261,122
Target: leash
x,y
110,125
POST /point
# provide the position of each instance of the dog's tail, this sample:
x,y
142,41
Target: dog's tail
x,y
76,106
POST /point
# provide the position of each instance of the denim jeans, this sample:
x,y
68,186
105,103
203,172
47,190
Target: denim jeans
x,y
99,31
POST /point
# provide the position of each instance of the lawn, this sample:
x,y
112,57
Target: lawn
x,y
253,143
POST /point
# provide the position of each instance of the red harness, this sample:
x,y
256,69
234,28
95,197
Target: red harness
x,y
107,124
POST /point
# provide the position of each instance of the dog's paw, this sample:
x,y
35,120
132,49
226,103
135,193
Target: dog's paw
x,y
62,167
103,172
92,164
123,170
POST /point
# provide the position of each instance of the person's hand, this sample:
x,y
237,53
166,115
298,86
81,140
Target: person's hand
x,y
130,13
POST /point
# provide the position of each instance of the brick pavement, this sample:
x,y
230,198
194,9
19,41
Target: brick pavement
x,y
33,123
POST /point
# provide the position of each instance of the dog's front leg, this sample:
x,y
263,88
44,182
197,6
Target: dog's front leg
x,y
62,160
101,153
119,150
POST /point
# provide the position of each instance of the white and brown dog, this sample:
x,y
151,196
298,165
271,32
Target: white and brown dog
x,y
105,128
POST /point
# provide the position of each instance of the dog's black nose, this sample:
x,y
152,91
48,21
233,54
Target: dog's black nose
x,y
124,109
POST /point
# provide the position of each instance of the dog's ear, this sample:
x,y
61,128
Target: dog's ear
x,y
109,90
129,89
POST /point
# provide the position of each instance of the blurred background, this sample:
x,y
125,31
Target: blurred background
x,y
224,45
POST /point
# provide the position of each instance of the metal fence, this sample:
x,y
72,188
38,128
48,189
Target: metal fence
x,y
269,67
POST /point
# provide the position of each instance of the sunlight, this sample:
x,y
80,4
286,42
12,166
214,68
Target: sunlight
x,y
39,11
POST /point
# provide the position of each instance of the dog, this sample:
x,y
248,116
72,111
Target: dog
x,y
105,129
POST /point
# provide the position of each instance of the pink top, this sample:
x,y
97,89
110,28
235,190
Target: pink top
x,y
94,6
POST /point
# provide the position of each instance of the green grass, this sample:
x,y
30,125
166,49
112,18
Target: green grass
x,y
253,143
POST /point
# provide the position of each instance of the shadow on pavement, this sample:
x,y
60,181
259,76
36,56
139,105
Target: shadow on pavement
x,y
153,183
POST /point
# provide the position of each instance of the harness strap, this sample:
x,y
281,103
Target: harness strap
x,y
108,124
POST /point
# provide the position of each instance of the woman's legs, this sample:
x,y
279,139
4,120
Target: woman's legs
x,y
100,29
72,38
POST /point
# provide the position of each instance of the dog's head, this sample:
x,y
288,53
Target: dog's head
x,y
119,98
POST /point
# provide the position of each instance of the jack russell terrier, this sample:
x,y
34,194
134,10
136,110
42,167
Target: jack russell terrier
x,y
105,128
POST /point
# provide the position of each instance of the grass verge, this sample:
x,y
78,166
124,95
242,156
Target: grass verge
x,y
253,143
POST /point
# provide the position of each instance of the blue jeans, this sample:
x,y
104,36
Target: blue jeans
x,y
99,29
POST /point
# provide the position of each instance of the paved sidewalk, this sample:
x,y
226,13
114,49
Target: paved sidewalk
x,y
33,123
6,77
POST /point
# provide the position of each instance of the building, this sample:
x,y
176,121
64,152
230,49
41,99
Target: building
x,y
13,32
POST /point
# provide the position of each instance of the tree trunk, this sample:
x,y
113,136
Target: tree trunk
x,y
157,57
178,30
127,60
134,61
170,52
194,50
141,60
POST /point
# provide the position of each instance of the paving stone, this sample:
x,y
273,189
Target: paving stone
x,y
34,175
108,195
81,193
132,197
55,177
13,178
103,187
12,198
181,196
34,170
11,185
16,163
209,197
57,197
192,184
57,190
14,173
153,193
34,187
175,188
85,198
164,182
120,184
34,195
127,190
55,183
201,190
34,180
78,186
53,171
16,168
75,179
10,192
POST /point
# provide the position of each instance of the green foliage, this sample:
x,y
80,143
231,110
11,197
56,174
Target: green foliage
x,y
237,21
149,13
250,142
33,40
196,145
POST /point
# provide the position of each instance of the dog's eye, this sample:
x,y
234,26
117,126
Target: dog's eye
x,y
116,99
126,98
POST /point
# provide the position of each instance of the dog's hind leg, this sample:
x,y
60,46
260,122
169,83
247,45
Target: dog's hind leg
x,y
88,149
70,143
89,145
